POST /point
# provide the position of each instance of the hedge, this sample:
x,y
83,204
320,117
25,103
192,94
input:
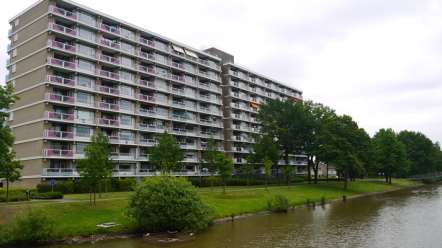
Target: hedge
x,y
46,195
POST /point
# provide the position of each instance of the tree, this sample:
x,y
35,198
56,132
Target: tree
x,y
167,154
390,154
421,152
247,170
224,165
96,167
268,164
342,147
209,155
9,167
265,149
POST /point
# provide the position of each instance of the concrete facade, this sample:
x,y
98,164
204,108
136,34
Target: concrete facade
x,y
76,70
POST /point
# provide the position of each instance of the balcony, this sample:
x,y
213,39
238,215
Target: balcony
x,y
147,55
61,80
108,90
59,98
108,106
58,153
109,74
146,98
62,12
210,123
148,142
110,59
108,122
123,156
177,65
188,146
60,172
62,46
63,29
146,83
53,134
147,42
147,69
110,43
110,29
62,63
59,116
182,118
150,127
190,159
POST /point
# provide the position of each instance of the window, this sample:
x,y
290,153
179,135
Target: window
x,y
127,33
126,61
126,90
126,135
86,65
127,75
85,116
15,37
13,68
85,98
86,50
87,34
79,148
126,120
86,18
14,53
127,47
85,82
83,131
126,105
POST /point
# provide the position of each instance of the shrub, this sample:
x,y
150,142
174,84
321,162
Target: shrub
x,y
47,195
33,227
125,184
65,187
14,195
278,203
168,203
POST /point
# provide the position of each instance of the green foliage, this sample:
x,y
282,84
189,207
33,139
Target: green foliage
x,y
224,166
278,203
423,154
265,148
168,203
34,227
209,155
390,154
96,167
167,154
14,195
46,195
268,164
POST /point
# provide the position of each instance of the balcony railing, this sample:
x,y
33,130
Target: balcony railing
x,y
149,142
59,172
108,122
63,12
61,80
62,46
147,55
53,134
147,69
110,59
59,98
108,74
110,29
59,116
146,98
58,153
147,83
110,43
62,63
147,42
111,106
108,90
63,29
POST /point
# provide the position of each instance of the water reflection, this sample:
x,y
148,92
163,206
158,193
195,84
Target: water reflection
x,y
409,218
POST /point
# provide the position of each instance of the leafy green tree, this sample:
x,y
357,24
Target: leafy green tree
x,y
209,155
266,149
10,168
247,170
390,154
96,167
167,154
268,164
224,165
421,152
341,146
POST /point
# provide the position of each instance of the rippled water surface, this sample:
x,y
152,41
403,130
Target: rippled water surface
x,y
409,218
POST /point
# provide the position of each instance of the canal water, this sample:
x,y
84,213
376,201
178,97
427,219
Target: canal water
x,y
407,218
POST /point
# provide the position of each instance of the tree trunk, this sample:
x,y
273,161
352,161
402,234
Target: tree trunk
x,y
287,170
386,178
389,179
309,168
315,170
345,180
326,174
7,190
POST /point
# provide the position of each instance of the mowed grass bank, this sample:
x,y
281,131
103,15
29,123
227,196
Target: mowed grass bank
x,y
74,216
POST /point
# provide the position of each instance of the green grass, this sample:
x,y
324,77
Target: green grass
x,y
74,216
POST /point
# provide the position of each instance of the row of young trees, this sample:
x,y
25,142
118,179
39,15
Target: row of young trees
x,y
309,128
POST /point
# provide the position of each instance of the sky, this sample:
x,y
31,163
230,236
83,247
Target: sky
x,y
378,61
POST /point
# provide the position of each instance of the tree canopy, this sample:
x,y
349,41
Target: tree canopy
x,y
167,154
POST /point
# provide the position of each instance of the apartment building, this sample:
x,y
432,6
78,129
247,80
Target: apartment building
x,y
77,70
243,93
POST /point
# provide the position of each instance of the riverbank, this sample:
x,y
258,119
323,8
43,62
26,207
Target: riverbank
x,y
75,218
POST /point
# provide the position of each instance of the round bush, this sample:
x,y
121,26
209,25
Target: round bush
x,y
168,203
278,203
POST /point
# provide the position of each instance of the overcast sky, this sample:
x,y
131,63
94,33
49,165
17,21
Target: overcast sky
x,y
379,61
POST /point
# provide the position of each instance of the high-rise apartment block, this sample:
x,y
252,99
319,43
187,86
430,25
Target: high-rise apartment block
x,y
76,70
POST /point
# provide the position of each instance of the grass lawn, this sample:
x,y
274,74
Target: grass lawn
x,y
74,215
